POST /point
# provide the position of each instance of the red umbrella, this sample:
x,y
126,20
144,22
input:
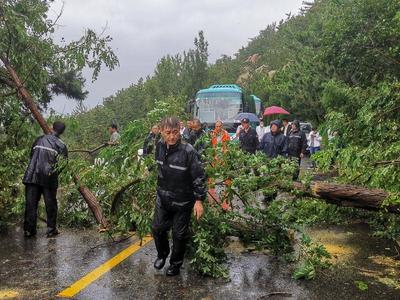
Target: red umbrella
x,y
275,110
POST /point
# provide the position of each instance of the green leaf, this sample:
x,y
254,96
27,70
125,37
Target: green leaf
x,y
361,285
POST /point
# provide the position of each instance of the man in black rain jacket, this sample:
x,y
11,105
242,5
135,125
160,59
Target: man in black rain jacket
x,y
196,135
274,143
297,145
41,178
151,140
181,187
248,137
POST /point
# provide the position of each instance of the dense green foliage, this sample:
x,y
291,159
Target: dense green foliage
x,y
45,67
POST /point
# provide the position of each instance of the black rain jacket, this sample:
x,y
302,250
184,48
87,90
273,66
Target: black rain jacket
x,y
149,143
195,139
297,143
181,177
248,140
274,145
41,169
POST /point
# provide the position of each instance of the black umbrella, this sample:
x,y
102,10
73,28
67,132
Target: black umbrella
x,y
252,117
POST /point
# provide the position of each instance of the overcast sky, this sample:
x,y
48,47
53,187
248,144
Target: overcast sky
x,y
145,30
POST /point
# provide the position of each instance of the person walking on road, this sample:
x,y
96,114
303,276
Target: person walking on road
x,y
274,143
181,189
41,178
297,145
248,137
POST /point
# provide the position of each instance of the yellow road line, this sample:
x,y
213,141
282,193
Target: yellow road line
x,y
82,283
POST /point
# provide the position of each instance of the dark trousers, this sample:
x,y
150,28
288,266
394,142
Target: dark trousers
x,y
179,219
33,193
297,171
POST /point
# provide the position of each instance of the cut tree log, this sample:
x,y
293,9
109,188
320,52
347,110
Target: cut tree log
x,y
388,162
28,101
348,195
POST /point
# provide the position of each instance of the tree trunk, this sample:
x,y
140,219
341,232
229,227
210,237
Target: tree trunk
x,y
27,99
348,195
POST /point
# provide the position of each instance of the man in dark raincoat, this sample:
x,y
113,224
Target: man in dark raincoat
x,y
297,145
196,136
151,140
181,189
41,178
248,138
274,143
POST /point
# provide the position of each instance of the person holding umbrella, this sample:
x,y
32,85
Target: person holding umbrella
x,y
275,110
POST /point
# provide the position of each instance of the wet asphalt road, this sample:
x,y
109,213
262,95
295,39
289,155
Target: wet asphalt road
x,y
40,268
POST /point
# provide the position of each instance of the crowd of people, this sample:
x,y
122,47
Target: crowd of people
x,y
182,184
281,137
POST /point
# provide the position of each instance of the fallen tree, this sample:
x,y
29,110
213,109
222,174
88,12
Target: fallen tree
x,y
348,195
28,101
244,179
31,60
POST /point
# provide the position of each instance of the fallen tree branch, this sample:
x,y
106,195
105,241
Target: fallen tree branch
x,y
348,195
387,162
28,101
113,242
89,151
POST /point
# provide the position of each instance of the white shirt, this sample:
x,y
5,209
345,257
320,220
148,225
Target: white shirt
x,y
237,132
314,139
261,131
115,136
286,129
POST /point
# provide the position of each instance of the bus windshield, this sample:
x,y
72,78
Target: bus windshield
x,y
222,106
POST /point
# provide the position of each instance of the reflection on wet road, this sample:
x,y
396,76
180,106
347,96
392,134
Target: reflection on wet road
x,y
40,268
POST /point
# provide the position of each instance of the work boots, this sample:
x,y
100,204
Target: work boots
x,y
173,270
29,234
52,233
159,263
